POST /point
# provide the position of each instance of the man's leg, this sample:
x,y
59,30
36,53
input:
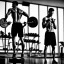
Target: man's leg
x,y
13,33
45,53
22,46
13,45
53,52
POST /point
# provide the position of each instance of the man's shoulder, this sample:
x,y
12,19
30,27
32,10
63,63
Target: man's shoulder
x,y
20,10
45,17
10,9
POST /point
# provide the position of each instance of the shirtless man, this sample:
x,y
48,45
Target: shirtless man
x,y
49,24
17,27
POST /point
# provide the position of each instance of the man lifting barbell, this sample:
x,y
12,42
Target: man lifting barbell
x,y
17,27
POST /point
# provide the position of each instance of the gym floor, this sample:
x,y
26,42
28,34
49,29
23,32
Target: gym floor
x,y
33,59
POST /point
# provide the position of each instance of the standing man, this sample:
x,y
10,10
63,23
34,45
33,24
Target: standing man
x,y
17,27
50,39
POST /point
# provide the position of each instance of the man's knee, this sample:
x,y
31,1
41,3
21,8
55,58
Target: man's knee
x,y
53,48
23,45
45,47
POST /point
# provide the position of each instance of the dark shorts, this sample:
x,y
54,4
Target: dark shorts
x,y
17,28
50,39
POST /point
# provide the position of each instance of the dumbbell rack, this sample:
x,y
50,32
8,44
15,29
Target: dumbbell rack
x,y
32,41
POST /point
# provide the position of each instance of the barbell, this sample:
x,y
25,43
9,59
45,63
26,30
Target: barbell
x,y
32,22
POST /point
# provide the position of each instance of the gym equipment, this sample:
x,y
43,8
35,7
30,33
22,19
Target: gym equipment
x,y
62,54
3,36
31,34
34,43
4,23
32,22
31,41
62,43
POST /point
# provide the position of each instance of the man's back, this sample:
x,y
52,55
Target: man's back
x,y
16,14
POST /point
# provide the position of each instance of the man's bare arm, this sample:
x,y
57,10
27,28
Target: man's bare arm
x,y
43,23
8,13
53,21
54,25
23,13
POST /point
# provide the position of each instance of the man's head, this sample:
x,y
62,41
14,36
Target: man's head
x,y
50,11
14,4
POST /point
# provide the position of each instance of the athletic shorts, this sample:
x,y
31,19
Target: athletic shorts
x,y
50,39
17,28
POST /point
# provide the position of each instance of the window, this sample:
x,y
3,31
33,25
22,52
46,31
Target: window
x,y
60,18
42,13
2,15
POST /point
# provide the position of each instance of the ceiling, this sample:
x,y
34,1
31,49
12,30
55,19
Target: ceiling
x,y
57,3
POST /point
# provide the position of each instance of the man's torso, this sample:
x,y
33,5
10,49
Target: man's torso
x,y
16,14
50,27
